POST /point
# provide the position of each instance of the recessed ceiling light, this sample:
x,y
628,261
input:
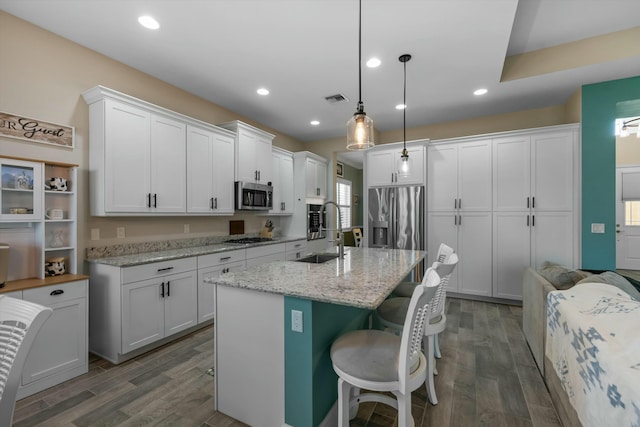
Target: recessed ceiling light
x,y
148,22
263,91
314,122
480,92
373,63
401,107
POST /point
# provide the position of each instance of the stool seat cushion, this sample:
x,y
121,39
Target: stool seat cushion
x,y
394,310
370,355
405,289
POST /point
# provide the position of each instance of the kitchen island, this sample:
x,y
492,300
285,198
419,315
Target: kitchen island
x,y
275,324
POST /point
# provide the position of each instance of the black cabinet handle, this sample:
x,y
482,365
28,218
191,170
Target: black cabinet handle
x,y
533,202
224,258
148,200
168,288
527,220
533,220
455,203
155,200
165,269
57,292
215,203
460,203
162,290
527,203
211,203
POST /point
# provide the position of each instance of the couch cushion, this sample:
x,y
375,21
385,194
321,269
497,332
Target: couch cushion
x,y
611,278
560,276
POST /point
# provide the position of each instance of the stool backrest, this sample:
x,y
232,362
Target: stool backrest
x,y
444,270
444,252
417,317
20,322
357,236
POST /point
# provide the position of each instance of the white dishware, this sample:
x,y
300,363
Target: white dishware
x,y
54,214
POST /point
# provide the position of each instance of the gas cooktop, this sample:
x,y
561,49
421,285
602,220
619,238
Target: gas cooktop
x,y
249,240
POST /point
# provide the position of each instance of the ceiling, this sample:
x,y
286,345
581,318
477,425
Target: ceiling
x,y
305,50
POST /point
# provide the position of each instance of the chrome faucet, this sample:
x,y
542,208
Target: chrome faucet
x,y
340,232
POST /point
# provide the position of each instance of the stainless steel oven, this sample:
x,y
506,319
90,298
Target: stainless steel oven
x,y
314,220
253,197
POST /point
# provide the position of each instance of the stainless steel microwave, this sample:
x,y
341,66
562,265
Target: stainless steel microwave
x,y
253,197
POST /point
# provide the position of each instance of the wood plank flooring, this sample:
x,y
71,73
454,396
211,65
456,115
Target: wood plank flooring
x,y
487,377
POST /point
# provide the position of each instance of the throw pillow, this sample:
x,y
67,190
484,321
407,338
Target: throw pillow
x,y
561,277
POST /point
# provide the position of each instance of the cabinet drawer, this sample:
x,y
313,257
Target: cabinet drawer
x,y
296,245
49,295
211,260
265,250
157,269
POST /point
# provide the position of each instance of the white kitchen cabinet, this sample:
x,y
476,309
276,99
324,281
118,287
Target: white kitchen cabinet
x,y
60,350
316,178
20,190
459,176
210,171
168,165
536,202
252,152
282,162
134,308
469,234
382,166
295,250
214,265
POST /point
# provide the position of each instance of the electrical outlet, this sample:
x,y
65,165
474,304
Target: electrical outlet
x,y
95,234
187,228
120,232
296,321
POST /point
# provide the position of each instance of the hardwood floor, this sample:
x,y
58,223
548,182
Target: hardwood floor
x,y
487,377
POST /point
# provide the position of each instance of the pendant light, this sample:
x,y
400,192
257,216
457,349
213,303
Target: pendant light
x,y
404,162
360,127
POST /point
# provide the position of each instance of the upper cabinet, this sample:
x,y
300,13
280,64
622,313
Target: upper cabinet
x,y
311,178
209,170
21,190
138,159
316,178
252,152
282,162
382,166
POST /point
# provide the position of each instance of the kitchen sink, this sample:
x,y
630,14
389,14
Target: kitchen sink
x,y
318,258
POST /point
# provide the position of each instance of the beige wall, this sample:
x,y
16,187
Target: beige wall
x,y
43,76
628,151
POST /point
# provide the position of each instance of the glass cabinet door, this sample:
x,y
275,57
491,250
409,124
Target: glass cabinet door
x,y
20,190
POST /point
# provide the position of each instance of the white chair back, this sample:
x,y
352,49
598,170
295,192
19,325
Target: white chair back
x,y
413,330
444,252
20,322
444,270
357,236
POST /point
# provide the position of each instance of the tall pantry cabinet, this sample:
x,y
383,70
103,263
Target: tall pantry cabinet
x,y
504,202
459,205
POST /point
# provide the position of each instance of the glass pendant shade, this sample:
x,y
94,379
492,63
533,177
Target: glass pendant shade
x,y
360,132
404,164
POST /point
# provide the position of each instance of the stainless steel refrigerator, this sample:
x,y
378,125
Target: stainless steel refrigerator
x,y
396,217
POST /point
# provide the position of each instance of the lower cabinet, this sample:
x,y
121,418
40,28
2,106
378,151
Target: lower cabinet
x,y
60,350
214,265
295,250
133,307
155,308
263,254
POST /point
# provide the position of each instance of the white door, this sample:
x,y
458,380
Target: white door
x,y
474,250
443,228
246,169
511,252
442,181
168,165
127,158
552,180
474,177
181,297
200,171
628,218
206,291
379,168
263,159
416,156
142,313
552,238
222,165
511,173
286,183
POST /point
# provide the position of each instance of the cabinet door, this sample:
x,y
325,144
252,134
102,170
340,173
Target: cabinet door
x,y
168,165
474,249
380,168
142,313
262,156
180,302
200,147
474,176
553,171
246,169
222,166
511,173
286,184
442,179
21,190
416,173
311,173
443,228
206,291
127,158
552,238
61,344
511,252
321,179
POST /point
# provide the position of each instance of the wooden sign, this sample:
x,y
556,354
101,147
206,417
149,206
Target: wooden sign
x,y
28,129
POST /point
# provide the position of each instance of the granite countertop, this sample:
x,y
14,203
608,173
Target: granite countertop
x,y
185,252
363,279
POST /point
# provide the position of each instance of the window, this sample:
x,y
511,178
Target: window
x,y
632,213
343,196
